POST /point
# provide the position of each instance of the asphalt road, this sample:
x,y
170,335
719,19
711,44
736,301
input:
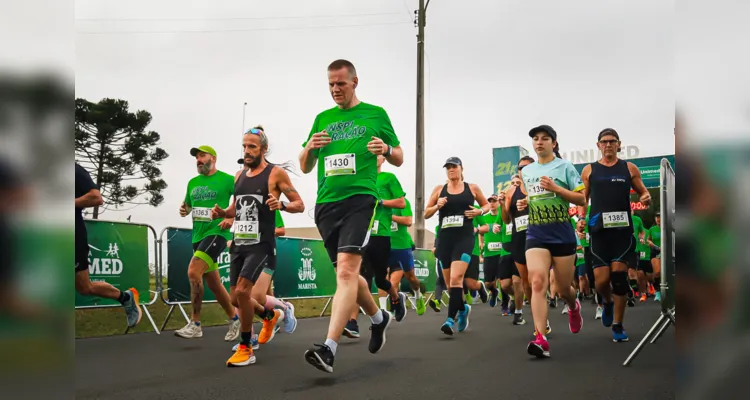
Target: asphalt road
x,y
487,361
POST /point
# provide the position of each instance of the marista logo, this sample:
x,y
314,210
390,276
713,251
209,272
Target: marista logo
x,y
306,271
105,262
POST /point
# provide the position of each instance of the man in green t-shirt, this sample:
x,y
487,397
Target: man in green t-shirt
x,y
401,258
654,240
344,143
639,232
209,188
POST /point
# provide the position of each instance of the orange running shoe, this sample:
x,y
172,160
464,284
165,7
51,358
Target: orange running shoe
x,y
242,357
269,327
643,298
651,289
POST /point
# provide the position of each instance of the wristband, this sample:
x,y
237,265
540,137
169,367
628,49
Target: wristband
x,y
388,152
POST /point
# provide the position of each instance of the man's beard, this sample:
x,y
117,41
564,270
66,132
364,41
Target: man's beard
x,y
255,161
205,168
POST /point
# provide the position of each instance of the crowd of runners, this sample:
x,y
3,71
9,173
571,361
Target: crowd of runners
x,y
534,252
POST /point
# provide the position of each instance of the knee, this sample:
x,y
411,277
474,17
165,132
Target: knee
x,y
457,280
537,283
620,285
195,272
243,294
507,286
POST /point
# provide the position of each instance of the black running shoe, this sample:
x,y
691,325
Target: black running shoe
x,y
377,333
518,319
352,329
553,302
399,308
483,292
321,357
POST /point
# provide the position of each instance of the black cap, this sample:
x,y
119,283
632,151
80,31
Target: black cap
x,y
608,132
543,128
454,161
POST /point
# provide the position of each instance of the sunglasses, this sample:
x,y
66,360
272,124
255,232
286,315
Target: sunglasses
x,y
522,167
254,132
611,141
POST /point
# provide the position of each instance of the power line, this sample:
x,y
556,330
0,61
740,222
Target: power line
x,y
230,18
239,30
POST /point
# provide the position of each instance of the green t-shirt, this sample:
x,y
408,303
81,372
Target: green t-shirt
x,y
585,242
580,257
389,188
655,234
345,166
400,237
279,220
637,229
493,242
203,192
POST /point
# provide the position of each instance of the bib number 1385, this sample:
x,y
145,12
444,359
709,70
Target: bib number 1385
x,y
615,219
340,164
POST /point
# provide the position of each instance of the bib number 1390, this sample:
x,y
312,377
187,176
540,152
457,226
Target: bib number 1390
x,y
340,164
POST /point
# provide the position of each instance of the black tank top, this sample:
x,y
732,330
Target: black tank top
x,y
254,222
610,197
514,213
451,216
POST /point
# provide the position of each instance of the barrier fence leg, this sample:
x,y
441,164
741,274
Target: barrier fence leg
x,y
325,307
643,341
151,319
184,314
169,314
661,330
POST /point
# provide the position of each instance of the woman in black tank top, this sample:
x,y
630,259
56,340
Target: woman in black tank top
x,y
454,204
520,220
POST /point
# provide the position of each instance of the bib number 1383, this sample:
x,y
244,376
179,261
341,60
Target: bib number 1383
x,y
340,164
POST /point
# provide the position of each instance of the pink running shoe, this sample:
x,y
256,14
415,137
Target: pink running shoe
x,y
575,319
538,347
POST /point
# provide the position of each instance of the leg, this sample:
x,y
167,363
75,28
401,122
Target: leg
x,y
539,261
564,270
213,281
198,266
85,287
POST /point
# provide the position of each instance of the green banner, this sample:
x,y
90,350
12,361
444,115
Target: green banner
x,y
505,162
179,254
303,269
118,255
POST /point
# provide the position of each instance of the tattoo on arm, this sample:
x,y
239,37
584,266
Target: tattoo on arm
x,y
289,189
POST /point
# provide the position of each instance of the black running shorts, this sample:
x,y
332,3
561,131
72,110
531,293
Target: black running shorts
x,y
507,268
518,247
344,225
250,262
375,259
610,245
492,268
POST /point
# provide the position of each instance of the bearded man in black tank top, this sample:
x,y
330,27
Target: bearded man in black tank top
x,y
607,184
455,203
257,193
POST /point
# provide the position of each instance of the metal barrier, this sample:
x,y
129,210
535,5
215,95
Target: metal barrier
x,y
668,223
111,241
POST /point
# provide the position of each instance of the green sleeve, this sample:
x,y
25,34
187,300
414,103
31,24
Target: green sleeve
x,y
394,186
279,220
406,212
387,133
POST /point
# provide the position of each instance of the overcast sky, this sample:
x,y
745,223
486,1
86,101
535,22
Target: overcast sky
x,y
494,69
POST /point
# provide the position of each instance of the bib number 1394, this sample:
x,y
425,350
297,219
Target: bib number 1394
x,y
340,164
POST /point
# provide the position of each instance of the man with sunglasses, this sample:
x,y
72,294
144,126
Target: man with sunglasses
x,y
608,183
344,143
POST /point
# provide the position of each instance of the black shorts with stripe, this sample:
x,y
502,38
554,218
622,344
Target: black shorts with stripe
x,y
344,225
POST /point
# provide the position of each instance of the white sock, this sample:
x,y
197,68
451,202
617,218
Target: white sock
x,y
377,318
519,311
383,302
418,293
332,345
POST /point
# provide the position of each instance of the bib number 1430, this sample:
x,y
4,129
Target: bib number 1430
x,y
340,164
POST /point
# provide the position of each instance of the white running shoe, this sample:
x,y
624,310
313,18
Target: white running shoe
x,y
599,311
234,331
190,331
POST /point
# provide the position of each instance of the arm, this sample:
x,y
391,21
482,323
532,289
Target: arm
x,y
637,183
585,177
396,158
281,231
92,198
282,184
307,159
506,204
399,203
573,181
432,206
406,221
479,197
577,197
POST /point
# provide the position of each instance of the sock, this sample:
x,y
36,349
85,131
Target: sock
x,y
197,323
377,318
657,283
495,292
267,314
383,303
332,345
439,292
519,311
124,297
236,317
456,302
245,338
634,285
272,303
418,293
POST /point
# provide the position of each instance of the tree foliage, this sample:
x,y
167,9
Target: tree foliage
x,y
122,157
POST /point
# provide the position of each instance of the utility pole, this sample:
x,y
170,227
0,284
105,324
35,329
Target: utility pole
x,y
421,19
244,108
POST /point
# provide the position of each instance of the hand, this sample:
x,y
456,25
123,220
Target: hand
x,y
473,212
501,196
548,184
183,210
495,228
441,202
646,198
318,140
273,203
581,235
377,146
522,204
433,251
226,223
217,212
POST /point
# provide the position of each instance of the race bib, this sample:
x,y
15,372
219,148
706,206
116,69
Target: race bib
x,y
588,237
246,230
340,164
643,255
201,214
494,246
394,226
509,229
453,221
522,223
375,226
615,219
536,192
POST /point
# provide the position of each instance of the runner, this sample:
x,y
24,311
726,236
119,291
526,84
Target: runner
x,y
639,232
580,276
654,239
552,184
210,237
440,287
645,270
401,260
454,203
344,143
257,193
88,195
473,287
608,182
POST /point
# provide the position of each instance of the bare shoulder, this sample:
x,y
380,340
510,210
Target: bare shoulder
x,y
634,170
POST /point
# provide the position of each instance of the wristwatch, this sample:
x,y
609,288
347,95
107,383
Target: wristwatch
x,y
283,206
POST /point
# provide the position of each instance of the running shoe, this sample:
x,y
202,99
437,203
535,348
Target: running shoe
x,y
399,307
618,334
290,321
132,308
575,319
434,305
321,357
351,330
599,311
631,302
242,357
449,326
506,312
608,314
377,335
651,290
269,327
468,298
565,309
493,297
190,331
253,343
518,319
657,297
421,307
643,298
234,331
482,292
463,318
553,302
539,347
